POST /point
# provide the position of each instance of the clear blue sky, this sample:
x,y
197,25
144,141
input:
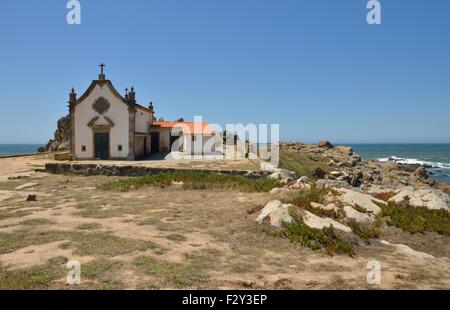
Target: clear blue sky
x,y
313,66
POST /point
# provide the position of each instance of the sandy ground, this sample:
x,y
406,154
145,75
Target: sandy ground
x,y
25,165
200,239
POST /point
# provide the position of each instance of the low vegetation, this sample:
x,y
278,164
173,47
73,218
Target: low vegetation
x,y
89,226
103,212
315,239
36,222
417,220
97,268
194,180
83,243
301,163
366,231
176,274
304,198
32,278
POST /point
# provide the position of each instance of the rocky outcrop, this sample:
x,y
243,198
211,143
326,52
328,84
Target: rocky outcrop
x,y
357,216
360,201
407,250
275,214
318,222
326,144
347,166
426,198
61,138
283,175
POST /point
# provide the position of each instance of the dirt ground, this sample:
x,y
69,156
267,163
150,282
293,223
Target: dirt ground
x,y
167,238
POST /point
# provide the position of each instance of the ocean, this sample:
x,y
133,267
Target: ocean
x,y
18,149
435,156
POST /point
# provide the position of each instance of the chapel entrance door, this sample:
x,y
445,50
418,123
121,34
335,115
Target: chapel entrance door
x,y
154,142
101,145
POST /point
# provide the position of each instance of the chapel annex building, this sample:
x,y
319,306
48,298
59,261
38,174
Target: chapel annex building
x,y
106,125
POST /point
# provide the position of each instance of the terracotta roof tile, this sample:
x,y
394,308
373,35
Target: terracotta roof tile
x,y
202,128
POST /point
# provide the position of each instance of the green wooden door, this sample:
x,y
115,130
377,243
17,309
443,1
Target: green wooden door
x,y
102,145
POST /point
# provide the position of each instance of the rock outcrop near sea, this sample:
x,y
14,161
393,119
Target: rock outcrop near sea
x,y
61,137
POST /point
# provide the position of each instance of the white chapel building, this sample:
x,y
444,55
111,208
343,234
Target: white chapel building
x,y
108,126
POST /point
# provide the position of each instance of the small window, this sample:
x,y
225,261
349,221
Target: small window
x,y
83,148
119,147
193,138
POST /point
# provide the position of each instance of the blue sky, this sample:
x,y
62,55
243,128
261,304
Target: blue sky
x,y
313,66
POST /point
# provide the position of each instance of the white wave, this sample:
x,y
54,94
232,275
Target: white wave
x,y
415,161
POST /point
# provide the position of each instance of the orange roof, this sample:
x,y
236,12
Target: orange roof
x,y
198,128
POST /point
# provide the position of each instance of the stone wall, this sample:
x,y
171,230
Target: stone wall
x,y
135,171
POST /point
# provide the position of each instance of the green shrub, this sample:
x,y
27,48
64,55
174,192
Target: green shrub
x,y
366,231
417,219
327,238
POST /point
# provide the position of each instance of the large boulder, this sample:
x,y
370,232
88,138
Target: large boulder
x,y
61,137
344,149
301,183
319,173
357,216
275,214
426,198
360,200
326,144
318,222
284,175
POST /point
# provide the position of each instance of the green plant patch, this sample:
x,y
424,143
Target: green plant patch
x,y
178,274
327,238
33,278
367,230
417,219
194,180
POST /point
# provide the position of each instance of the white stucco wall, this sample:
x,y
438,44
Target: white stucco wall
x,y
202,144
118,113
143,120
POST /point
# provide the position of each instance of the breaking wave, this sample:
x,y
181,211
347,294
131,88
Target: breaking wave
x,y
430,164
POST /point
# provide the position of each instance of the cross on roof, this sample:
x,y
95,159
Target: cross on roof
x,y
101,67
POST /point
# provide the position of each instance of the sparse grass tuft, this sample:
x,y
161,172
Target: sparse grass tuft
x,y
417,220
98,212
180,275
36,222
176,237
327,238
33,278
98,267
83,243
89,226
194,180
5,214
107,244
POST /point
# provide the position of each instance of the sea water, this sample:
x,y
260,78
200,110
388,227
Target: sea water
x,y
18,149
435,156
